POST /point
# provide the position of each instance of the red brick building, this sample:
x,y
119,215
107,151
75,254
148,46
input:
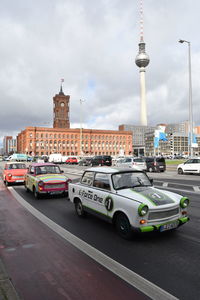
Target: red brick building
x,y
62,139
44,141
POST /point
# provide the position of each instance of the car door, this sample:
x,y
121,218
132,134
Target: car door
x,y
127,162
101,189
195,167
188,166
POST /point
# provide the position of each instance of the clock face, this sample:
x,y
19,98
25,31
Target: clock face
x,y
62,104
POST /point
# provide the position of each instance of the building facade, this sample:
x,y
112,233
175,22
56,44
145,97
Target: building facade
x,y
176,144
45,141
9,145
138,133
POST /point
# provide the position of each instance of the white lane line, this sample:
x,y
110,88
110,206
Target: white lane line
x,y
124,273
196,188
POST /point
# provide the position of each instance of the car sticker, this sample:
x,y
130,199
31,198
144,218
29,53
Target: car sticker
x,y
109,203
154,196
55,178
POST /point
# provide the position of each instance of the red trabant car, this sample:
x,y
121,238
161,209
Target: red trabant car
x,y
72,161
46,179
14,172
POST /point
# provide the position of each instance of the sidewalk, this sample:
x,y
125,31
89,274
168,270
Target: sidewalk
x,y
41,265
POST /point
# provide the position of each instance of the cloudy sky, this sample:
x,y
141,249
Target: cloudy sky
x,y
92,45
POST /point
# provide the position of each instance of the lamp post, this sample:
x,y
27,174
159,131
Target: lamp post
x,y
81,130
190,138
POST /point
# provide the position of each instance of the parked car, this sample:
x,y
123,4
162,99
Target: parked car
x,y
46,179
101,160
18,157
128,200
191,165
136,163
14,172
86,161
155,164
72,161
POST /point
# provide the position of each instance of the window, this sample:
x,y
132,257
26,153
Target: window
x,y
102,181
87,178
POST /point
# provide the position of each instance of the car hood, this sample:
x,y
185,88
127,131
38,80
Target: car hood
x,y
16,172
51,178
150,196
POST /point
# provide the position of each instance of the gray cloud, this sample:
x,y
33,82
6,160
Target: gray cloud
x,y
93,44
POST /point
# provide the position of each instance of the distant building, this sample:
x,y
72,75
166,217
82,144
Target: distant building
x,y
176,144
45,141
9,145
138,132
68,141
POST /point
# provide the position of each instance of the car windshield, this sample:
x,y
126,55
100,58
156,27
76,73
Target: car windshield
x,y
130,180
47,170
17,166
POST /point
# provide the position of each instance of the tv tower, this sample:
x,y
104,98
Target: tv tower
x,y
142,60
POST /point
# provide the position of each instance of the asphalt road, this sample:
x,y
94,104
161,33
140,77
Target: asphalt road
x,y
170,260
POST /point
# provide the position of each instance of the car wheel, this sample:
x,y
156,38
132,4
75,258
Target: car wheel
x,y
180,171
7,183
79,208
123,226
150,169
27,190
36,194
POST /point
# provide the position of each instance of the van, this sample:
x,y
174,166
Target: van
x,y
155,164
101,160
18,157
55,158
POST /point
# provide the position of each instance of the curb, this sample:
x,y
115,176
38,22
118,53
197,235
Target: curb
x,y
7,290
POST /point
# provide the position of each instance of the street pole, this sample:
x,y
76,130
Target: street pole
x,y
190,127
81,130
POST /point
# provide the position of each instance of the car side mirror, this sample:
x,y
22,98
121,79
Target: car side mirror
x,y
61,171
151,180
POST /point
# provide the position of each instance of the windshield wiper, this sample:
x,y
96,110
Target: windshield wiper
x,y
124,187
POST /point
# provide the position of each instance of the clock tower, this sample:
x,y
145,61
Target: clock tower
x,y
61,110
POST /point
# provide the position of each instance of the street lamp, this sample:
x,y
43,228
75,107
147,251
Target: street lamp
x,y
81,130
190,138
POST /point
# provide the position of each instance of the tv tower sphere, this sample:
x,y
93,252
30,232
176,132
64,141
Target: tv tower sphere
x,y
142,59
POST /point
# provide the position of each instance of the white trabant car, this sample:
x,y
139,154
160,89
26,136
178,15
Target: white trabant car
x,y
127,199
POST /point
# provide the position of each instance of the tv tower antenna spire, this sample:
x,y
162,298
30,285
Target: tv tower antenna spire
x,y
142,60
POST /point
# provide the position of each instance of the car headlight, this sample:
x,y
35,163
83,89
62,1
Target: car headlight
x,y
40,183
143,210
184,202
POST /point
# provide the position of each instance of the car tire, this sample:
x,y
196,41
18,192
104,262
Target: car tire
x,y
26,188
36,194
7,183
79,209
123,226
180,171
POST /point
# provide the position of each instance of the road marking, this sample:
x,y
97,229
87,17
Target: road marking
x,y
196,188
124,273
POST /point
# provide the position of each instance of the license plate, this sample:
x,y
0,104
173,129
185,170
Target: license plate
x,y
19,180
169,226
55,193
